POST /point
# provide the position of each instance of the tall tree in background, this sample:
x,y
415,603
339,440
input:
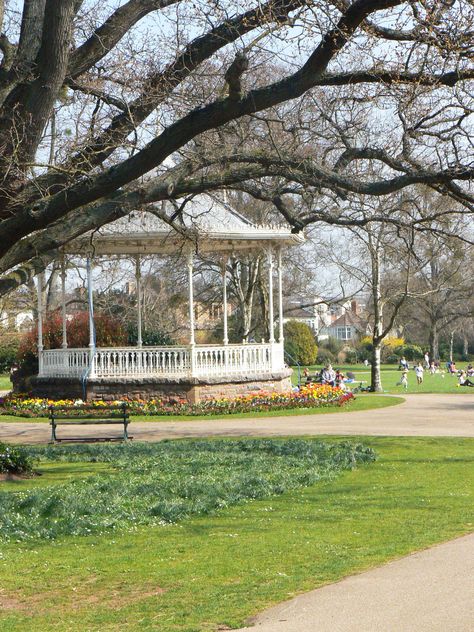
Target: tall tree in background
x,y
445,289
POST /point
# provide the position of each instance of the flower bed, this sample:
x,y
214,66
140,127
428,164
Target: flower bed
x,y
310,396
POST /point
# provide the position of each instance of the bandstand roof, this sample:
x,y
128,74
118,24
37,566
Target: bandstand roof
x,y
208,225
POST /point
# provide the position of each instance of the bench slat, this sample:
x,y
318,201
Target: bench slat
x,y
90,439
72,417
80,422
89,407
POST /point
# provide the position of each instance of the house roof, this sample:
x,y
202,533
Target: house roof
x,y
349,319
204,224
299,312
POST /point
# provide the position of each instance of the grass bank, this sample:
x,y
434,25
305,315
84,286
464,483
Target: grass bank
x,y
216,571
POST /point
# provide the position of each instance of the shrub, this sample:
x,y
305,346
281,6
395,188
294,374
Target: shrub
x,y
352,357
325,357
150,337
14,460
333,345
390,346
109,333
392,359
300,344
410,351
8,352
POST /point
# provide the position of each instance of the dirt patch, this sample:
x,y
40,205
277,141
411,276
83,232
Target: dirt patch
x,y
114,599
8,476
7,602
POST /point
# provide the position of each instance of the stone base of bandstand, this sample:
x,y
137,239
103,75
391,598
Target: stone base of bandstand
x,y
167,389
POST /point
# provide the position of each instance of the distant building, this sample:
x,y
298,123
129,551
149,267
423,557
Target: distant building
x,y
18,321
347,327
310,311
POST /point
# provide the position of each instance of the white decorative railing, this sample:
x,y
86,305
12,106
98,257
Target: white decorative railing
x,y
187,361
65,362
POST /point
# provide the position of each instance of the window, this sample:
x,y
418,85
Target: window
x,y
344,333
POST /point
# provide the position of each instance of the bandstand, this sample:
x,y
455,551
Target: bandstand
x,y
190,371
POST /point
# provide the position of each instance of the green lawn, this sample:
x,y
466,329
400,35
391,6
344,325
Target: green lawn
x,y
438,383
215,571
5,384
361,402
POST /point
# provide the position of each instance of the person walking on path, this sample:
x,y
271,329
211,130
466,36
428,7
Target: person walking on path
x,y
419,373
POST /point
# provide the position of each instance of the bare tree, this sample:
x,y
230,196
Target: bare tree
x,y
129,128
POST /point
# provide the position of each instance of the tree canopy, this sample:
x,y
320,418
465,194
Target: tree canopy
x,y
106,107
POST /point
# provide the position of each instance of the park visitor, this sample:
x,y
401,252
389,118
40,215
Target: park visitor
x,y
403,379
419,373
463,379
328,375
403,364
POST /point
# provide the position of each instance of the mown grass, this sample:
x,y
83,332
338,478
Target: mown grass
x,y
5,384
437,383
166,482
215,571
361,402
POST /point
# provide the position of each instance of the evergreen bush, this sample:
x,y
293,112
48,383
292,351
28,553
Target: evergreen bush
x,y
300,344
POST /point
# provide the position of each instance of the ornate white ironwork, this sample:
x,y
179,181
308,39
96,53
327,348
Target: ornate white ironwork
x,y
199,361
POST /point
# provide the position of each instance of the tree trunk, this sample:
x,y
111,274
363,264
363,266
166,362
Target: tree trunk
x,y
465,346
434,342
247,309
451,344
377,337
375,374
264,304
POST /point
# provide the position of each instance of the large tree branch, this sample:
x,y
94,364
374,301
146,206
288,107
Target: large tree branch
x,y
30,103
157,88
196,122
107,36
376,75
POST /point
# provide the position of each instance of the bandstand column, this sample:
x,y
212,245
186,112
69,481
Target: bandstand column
x,y
90,296
138,278
40,285
280,296
63,301
224,299
191,298
270,295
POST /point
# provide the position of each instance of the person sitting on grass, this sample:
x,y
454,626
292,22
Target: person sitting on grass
x,y
328,375
340,379
470,370
463,380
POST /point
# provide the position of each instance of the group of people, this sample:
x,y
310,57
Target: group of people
x,y
434,367
328,375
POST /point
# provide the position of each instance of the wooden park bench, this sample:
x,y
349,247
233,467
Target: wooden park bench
x,y
89,415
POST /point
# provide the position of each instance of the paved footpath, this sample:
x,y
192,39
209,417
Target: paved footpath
x,y
429,591
446,415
